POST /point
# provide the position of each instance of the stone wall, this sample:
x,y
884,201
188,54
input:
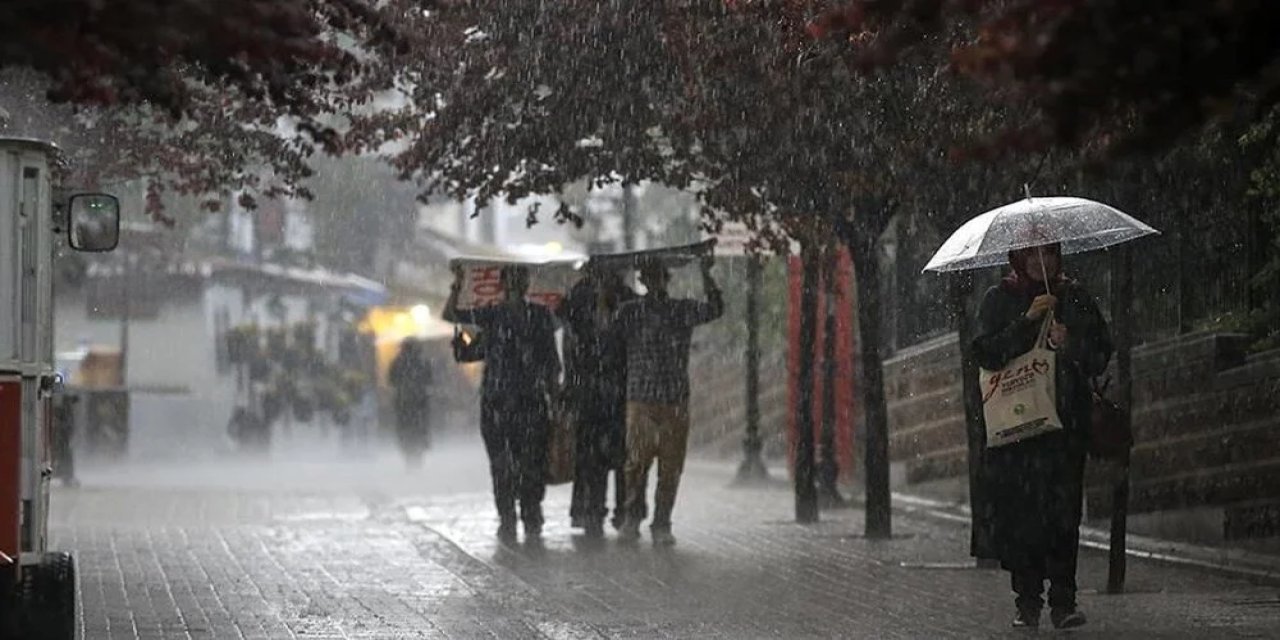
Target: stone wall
x,y
1207,426
926,418
1206,422
717,404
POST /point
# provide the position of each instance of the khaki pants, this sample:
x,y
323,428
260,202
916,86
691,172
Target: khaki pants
x,y
662,432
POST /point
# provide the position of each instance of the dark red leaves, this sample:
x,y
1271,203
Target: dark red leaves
x,y
151,50
1136,73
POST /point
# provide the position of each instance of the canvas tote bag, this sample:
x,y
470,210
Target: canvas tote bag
x,y
1019,402
561,450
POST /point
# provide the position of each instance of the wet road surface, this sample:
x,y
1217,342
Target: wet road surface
x,y
330,548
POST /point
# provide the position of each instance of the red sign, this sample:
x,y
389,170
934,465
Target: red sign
x,y
482,282
10,465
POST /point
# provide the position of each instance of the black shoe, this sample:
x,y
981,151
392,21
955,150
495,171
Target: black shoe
x,y
1067,618
1027,619
577,522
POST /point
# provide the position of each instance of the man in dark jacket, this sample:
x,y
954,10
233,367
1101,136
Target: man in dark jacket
x,y
596,386
521,367
1036,485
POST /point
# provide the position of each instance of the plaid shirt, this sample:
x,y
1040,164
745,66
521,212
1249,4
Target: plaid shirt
x,y
658,332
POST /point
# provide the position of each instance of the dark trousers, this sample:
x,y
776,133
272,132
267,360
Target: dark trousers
x,y
514,429
1059,568
1038,520
1052,549
601,449
412,429
591,492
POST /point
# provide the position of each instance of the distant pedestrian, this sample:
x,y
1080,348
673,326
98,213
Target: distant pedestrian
x,y
63,454
521,367
659,331
410,377
1035,486
596,379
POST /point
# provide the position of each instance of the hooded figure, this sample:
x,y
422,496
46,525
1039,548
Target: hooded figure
x,y
410,376
596,384
1035,486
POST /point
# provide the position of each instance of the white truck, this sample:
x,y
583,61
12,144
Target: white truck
x,y
37,585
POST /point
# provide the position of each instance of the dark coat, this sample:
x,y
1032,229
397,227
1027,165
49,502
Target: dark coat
x,y
1035,487
596,362
410,376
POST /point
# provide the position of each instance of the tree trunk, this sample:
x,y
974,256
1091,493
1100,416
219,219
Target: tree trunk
x,y
828,465
971,392
806,491
876,427
628,218
1122,327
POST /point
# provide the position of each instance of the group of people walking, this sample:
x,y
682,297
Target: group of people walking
x,y
626,384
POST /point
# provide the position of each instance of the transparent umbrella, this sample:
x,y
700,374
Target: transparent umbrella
x,y
1079,224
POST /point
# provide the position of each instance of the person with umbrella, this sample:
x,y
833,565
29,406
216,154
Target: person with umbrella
x,y
1035,485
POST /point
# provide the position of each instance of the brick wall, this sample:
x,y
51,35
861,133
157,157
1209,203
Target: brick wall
x,y
717,404
1207,425
926,418
1206,421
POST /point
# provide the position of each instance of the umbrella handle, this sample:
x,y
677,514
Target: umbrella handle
x,y
1044,273
1048,317
1042,340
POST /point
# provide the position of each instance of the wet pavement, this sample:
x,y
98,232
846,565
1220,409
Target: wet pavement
x,y
339,548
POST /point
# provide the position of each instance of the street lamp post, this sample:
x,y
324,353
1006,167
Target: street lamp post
x,y
628,218
752,469
126,313
1123,326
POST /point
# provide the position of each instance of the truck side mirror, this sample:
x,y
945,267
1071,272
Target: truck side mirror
x,y
94,222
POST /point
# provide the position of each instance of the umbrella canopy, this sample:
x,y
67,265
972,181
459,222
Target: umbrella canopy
x,y
1079,224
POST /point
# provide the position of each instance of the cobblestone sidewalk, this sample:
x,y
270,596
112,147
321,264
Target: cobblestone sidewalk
x,y
366,551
